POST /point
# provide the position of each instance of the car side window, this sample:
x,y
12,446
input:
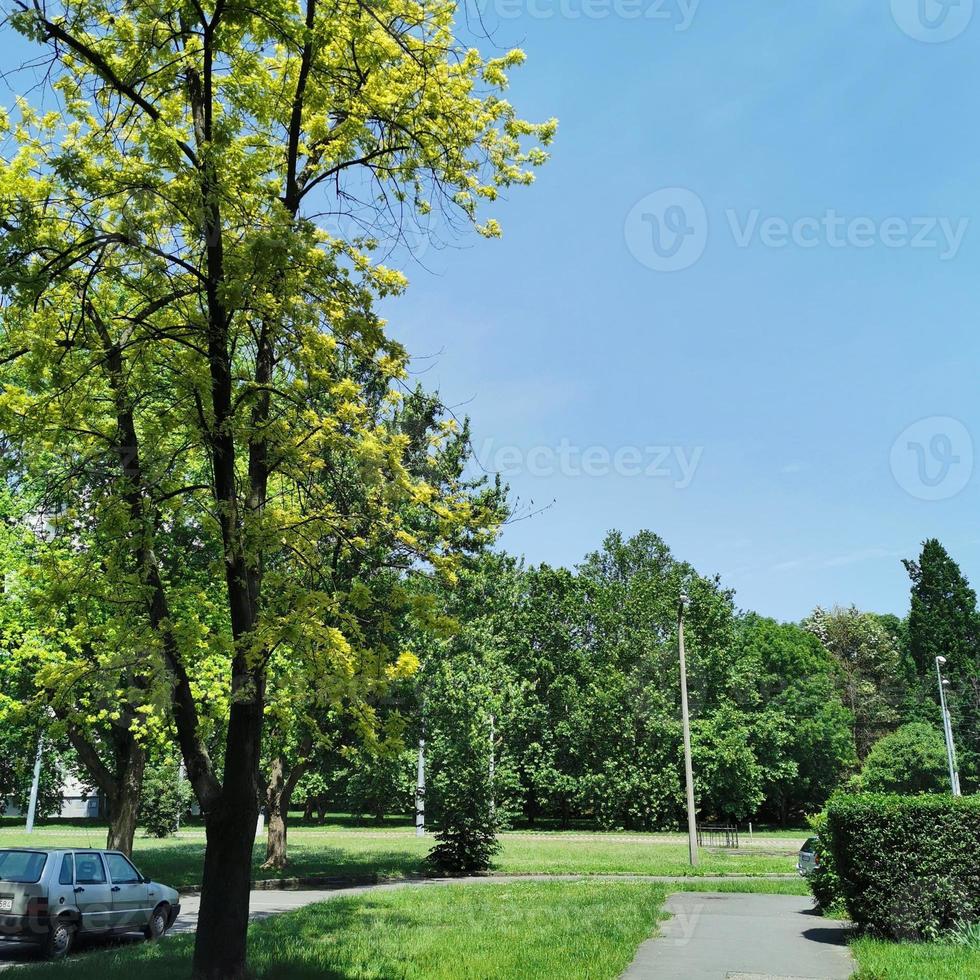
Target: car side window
x,y
89,870
121,871
67,874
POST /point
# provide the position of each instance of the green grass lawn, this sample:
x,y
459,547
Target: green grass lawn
x,y
914,961
587,930
359,852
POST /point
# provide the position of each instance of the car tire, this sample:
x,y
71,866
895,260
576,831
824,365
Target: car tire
x,y
59,940
156,928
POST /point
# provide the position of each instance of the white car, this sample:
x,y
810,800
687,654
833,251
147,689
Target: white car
x,y
48,897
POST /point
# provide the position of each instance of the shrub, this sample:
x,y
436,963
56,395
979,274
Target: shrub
x,y
908,865
824,881
911,760
165,798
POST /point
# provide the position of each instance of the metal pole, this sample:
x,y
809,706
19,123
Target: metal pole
x,y
420,790
954,776
493,765
35,786
692,820
180,782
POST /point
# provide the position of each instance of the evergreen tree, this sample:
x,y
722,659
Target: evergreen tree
x,y
943,621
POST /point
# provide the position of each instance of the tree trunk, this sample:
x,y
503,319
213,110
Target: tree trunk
x,y
279,795
124,803
222,925
121,786
220,948
275,847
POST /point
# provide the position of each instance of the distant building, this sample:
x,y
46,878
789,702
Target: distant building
x,y
78,801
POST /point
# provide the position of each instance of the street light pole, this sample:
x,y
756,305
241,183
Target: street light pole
x,y
692,820
35,786
420,789
954,776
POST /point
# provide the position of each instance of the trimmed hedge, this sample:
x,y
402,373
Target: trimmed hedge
x,y
823,880
909,866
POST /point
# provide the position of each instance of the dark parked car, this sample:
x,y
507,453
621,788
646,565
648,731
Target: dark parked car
x,y
809,860
50,896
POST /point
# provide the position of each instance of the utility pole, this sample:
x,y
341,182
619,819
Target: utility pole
x,y
35,786
954,776
692,820
420,789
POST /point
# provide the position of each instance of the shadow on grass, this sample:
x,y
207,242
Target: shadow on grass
x,y
180,864
300,945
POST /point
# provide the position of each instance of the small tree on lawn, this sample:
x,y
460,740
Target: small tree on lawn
x,y
167,796
459,782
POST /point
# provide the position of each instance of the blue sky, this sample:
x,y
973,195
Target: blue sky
x,y
753,407
793,370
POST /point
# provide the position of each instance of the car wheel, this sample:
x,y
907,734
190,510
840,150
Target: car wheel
x,y
157,925
58,942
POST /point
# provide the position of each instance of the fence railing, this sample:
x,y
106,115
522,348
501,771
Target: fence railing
x,y
718,837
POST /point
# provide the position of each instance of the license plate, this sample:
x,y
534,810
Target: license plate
x,y
6,904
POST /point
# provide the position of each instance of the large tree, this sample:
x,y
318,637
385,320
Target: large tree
x,y
182,336
868,669
803,733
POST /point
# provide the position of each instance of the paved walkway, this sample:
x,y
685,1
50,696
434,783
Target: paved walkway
x,y
743,937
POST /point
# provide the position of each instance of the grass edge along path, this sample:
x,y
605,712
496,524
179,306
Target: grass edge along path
x,y
880,960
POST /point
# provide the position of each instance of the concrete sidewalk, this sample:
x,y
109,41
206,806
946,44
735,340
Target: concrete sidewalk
x,y
714,936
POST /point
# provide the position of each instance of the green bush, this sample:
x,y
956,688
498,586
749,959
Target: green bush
x,y
165,798
909,866
911,760
824,881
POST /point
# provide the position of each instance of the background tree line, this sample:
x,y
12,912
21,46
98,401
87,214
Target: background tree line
x,y
549,697
578,669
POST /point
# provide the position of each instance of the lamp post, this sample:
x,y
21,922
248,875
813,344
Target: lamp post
x,y
420,788
954,776
35,786
692,820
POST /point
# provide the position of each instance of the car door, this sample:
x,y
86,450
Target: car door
x,y
129,901
92,895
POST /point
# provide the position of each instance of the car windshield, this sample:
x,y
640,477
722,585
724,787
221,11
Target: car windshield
x,y
24,867
811,844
